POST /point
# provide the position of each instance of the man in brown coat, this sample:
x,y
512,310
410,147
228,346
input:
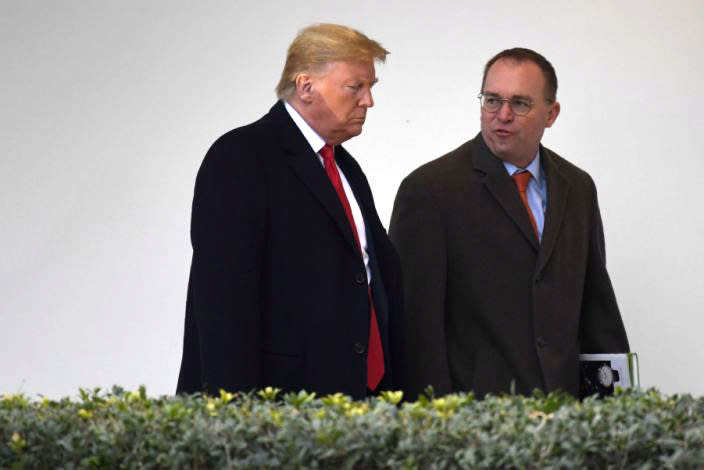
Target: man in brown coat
x,y
502,250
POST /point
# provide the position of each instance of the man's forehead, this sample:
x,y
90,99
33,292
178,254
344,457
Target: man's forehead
x,y
347,70
508,66
348,65
520,76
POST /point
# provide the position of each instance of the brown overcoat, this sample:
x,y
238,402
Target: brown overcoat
x,y
488,307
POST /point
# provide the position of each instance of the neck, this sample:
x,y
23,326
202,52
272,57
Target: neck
x,y
305,113
523,162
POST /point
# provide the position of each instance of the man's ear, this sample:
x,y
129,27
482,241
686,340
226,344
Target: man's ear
x,y
304,87
552,115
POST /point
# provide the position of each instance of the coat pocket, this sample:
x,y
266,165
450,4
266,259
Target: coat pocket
x,y
283,370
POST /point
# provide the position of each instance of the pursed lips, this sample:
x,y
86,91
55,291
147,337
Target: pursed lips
x,y
502,132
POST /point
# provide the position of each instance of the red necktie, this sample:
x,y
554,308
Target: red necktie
x,y
375,353
522,180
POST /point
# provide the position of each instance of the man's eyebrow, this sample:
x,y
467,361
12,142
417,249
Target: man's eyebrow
x,y
513,97
362,81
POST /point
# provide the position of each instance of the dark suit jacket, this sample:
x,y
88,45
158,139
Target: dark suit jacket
x,y
277,294
488,308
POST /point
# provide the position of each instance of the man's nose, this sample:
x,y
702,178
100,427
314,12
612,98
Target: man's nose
x,y
366,100
505,113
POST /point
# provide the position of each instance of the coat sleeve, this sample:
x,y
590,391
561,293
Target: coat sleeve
x,y
601,326
418,232
228,232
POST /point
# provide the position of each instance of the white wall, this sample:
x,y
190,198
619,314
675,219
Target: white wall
x,y
107,108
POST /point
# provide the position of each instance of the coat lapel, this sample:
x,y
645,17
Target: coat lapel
x,y
305,163
354,178
363,196
558,193
501,186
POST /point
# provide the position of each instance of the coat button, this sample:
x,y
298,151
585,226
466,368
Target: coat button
x,y
541,342
360,278
538,278
359,348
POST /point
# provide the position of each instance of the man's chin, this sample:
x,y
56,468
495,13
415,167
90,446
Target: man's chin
x,y
354,130
347,135
499,147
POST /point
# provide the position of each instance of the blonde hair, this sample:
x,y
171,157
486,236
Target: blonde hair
x,y
320,44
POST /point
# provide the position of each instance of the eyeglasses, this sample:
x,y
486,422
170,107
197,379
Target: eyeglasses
x,y
519,106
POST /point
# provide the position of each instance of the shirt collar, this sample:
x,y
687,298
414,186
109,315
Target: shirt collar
x,y
533,168
314,140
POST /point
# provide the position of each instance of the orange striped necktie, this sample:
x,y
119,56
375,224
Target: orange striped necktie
x,y
522,179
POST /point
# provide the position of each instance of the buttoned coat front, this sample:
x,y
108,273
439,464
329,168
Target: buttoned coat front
x,y
488,307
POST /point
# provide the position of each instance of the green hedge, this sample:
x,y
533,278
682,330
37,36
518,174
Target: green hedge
x,y
635,429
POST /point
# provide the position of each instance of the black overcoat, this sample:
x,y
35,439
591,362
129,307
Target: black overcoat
x,y
277,294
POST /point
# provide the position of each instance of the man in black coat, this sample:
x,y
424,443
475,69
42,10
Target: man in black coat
x,y
502,249
294,283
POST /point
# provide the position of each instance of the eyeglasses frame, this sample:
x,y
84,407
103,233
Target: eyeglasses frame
x,y
508,101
